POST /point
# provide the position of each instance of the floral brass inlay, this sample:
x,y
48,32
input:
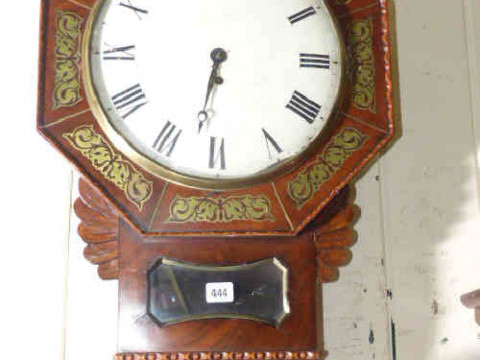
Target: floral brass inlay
x,y
361,60
220,209
67,58
309,181
112,166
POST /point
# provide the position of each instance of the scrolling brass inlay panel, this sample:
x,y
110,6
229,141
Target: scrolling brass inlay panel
x,y
361,60
111,164
219,209
67,58
309,181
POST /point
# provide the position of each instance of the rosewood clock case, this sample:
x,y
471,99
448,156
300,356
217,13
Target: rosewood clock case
x,y
131,218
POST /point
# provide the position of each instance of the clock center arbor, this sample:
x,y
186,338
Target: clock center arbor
x,y
217,141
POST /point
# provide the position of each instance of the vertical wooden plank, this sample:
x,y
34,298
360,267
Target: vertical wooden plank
x,y
34,193
472,29
429,189
91,306
355,307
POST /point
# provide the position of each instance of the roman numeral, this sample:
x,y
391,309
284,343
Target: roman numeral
x,y
119,53
130,100
269,140
304,107
315,61
217,153
166,140
128,4
302,15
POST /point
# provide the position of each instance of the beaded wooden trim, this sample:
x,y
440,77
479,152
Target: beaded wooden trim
x,y
218,355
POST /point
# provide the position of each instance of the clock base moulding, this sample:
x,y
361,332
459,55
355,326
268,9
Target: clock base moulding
x,y
235,355
313,258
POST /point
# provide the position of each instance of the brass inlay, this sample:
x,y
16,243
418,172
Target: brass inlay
x,y
279,199
62,119
157,206
67,59
361,69
308,182
357,10
220,209
363,122
111,164
80,4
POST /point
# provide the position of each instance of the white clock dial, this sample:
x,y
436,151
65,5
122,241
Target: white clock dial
x,y
216,89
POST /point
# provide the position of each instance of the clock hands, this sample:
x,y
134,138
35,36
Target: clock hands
x,y
218,56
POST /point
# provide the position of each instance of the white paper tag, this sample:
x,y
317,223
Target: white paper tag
x,y
219,292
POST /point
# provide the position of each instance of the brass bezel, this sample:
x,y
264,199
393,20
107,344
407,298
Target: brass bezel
x,y
165,173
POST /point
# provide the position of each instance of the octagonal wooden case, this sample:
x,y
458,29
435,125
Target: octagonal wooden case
x,y
284,206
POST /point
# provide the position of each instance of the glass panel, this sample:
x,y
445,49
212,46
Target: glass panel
x,y
181,292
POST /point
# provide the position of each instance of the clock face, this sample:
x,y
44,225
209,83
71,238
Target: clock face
x,y
215,90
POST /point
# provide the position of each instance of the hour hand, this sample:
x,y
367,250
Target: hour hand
x,y
218,56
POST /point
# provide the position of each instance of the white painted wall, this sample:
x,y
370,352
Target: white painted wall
x,y
418,247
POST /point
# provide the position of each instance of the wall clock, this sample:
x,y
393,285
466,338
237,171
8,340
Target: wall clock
x,y
217,140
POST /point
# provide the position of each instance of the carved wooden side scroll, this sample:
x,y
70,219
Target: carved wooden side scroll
x,y
334,235
99,229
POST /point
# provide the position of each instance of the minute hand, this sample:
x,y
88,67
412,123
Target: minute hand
x,y
211,82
